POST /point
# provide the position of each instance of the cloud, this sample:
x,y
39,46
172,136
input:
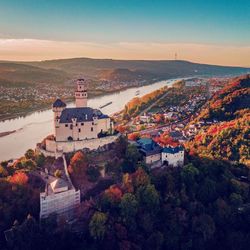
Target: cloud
x,y
34,49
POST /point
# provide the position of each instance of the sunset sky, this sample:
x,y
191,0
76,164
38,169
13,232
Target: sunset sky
x,y
214,32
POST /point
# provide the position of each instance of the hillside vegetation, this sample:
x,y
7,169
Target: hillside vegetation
x,y
228,103
15,73
229,139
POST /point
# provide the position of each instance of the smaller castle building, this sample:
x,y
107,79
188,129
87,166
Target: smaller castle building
x,y
173,156
60,197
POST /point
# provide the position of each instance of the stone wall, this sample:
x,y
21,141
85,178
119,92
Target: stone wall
x,y
56,148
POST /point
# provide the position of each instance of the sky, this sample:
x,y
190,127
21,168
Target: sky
x,y
205,31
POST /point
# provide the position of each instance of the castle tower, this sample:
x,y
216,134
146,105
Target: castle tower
x,y
57,107
81,94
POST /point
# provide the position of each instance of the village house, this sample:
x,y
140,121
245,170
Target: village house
x,y
150,150
145,118
178,136
173,156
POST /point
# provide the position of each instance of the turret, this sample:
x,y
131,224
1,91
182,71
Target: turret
x,y
81,94
57,107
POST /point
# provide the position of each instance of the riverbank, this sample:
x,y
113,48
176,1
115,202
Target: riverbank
x,y
92,94
7,133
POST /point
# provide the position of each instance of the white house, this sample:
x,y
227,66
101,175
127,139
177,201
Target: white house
x,y
173,156
145,118
59,197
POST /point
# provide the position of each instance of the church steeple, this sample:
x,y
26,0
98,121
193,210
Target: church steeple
x,y
81,94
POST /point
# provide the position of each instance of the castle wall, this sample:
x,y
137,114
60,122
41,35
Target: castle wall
x,y
83,130
53,147
103,125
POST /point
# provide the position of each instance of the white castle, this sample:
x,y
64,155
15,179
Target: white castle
x,y
81,122
79,127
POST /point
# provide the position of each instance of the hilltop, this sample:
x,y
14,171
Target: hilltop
x,y
229,102
55,71
228,137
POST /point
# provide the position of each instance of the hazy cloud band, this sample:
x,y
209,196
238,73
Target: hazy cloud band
x,y
32,49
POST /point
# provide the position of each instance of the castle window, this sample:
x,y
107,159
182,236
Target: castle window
x,y
82,123
66,125
91,129
71,126
92,123
79,130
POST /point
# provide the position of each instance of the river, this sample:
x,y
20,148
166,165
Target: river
x,y
34,127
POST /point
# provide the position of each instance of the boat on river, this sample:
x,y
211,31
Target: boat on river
x,y
105,105
137,92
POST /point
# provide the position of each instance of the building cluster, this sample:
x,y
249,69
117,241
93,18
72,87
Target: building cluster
x,y
41,92
156,153
112,85
171,113
195,82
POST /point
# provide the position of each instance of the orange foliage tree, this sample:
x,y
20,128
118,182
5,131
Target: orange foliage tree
x,y
19,178
134,136
78,163
114,193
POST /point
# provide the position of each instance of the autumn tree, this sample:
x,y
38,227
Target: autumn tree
x,y
78,163
19,178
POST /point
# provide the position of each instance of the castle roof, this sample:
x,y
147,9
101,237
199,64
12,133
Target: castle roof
x,y
58,184
171,150
59,103
148,147
81,114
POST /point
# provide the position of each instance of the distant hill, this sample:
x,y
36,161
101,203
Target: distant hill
x,y
20,74
59,71
125,75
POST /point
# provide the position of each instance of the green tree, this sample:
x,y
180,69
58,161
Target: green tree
x,y
93,173
129,206
204,225
236,200
29,164
97,225
30,154
148,197
40,159
189,174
